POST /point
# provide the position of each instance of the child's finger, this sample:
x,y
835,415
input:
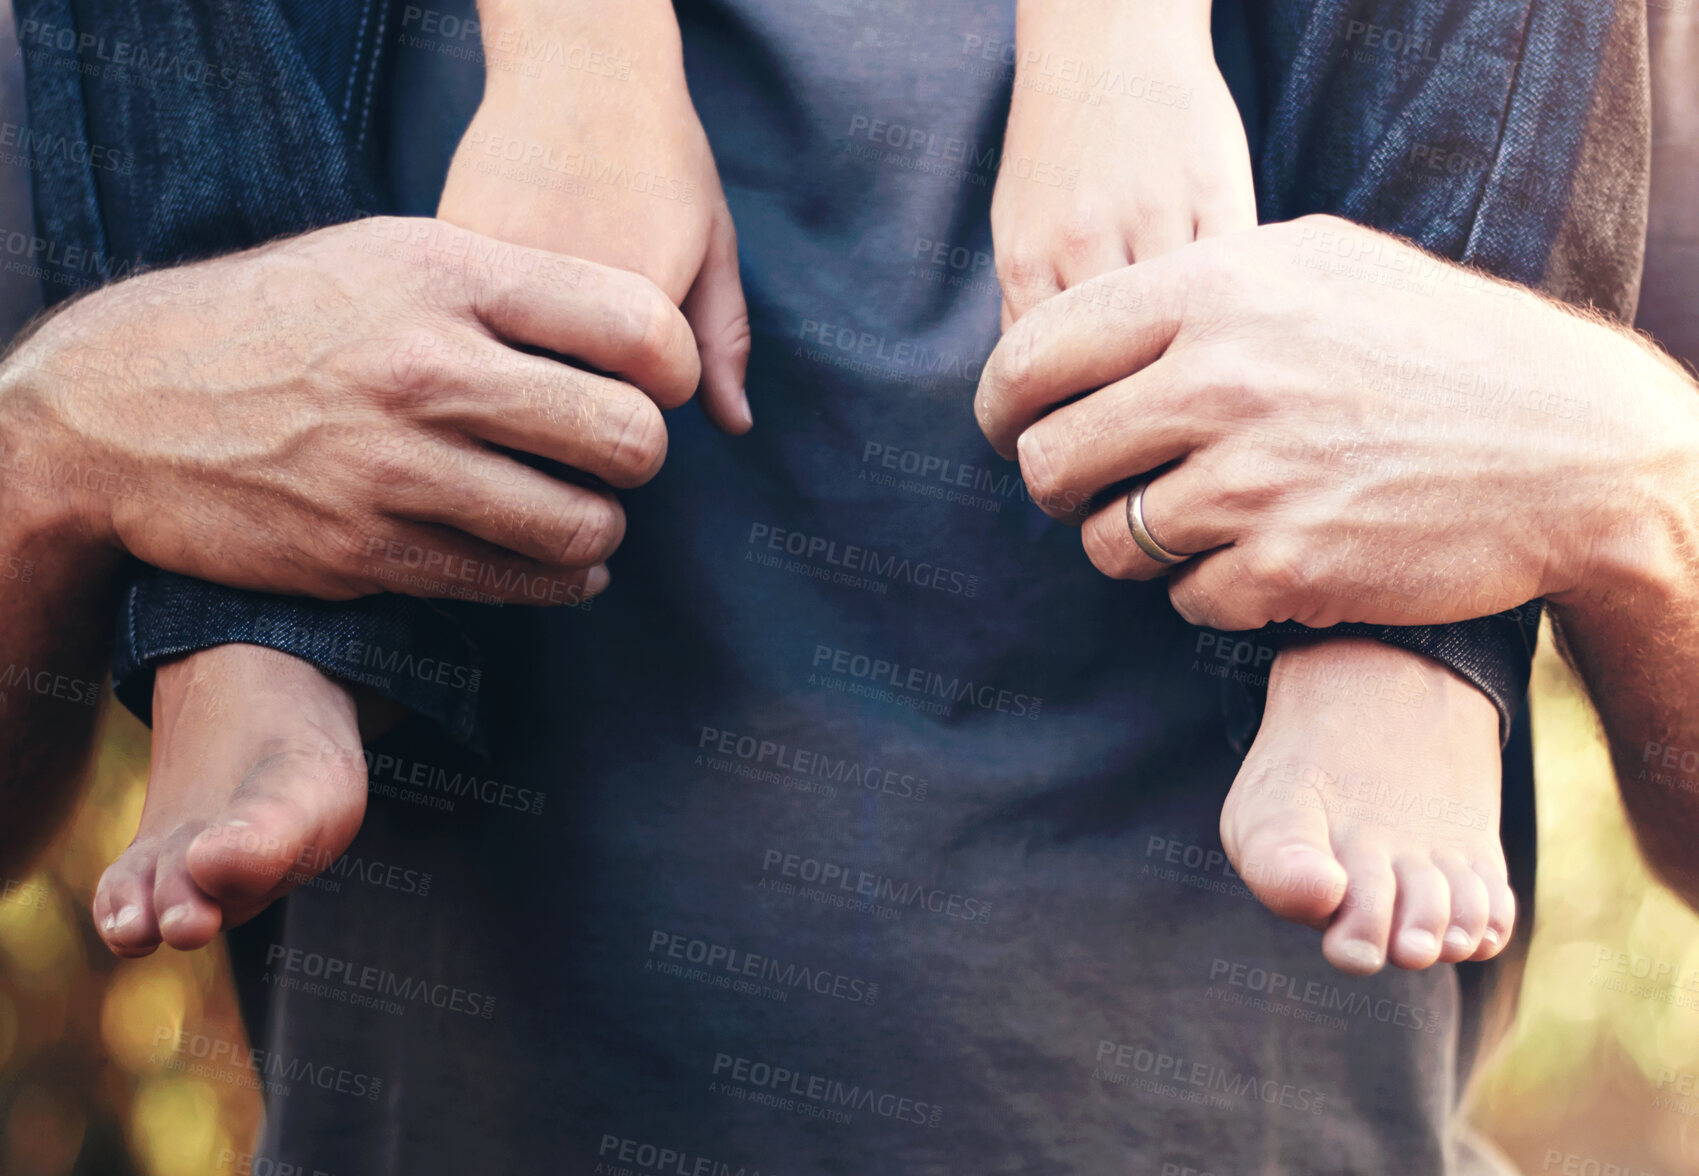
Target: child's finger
x,y
718,314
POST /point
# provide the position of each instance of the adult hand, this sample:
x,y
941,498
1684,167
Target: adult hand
x,y
609,164
1346,429
272,419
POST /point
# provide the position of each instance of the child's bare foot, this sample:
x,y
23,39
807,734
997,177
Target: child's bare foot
x,y
1369,806
257,783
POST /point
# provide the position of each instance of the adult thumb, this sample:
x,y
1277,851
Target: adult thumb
x,y
719,317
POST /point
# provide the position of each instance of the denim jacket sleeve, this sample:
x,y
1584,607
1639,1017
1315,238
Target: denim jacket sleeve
x,y
1505,134
412,651
284,136
1515,89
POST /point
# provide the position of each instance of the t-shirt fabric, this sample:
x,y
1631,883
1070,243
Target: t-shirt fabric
x,y
861,826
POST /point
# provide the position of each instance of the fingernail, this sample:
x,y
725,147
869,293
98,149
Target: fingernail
x,y
125,916
597,580
1458,939
745,414
1364,955
173,916
1490,937
1419,944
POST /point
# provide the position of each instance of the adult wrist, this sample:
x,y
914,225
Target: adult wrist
x,y
1643,539
53,499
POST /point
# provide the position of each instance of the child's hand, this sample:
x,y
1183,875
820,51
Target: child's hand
x,y
612,169
1369,806
1123,143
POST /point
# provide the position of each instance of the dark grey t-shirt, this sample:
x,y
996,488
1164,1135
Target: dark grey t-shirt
x,y
861,827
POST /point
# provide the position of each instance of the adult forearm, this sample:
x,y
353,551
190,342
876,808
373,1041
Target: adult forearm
x,y
1633,635
58,583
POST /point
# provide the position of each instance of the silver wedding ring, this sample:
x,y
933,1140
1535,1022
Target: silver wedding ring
x,y
1141,533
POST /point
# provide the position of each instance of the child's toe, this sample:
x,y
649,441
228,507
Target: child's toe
x,y
1421,912
1469,908
1501,912
123,903
1356,942
1282,852
188,918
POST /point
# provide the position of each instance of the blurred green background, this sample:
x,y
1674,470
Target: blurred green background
x,y
1571,1087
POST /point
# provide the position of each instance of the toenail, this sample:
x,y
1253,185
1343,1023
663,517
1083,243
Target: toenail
x,y
1364,955
1419,944
1459,939
174,916
123,918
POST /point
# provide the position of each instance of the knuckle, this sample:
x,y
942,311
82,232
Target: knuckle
x,y
388,467
1107,554
646,324
639,442
1282,570
1080,237
1193,603
417,367
1025,274
590,533
1240,385
342,548
1010,371
1044,480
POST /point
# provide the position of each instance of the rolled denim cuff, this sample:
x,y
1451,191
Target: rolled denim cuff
x,y
409,650
1495,653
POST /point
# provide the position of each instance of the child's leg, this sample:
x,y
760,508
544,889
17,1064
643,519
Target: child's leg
x,y
257,783
1369,805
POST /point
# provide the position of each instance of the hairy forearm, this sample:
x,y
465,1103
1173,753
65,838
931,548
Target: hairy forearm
x,y
58,584
1633,636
